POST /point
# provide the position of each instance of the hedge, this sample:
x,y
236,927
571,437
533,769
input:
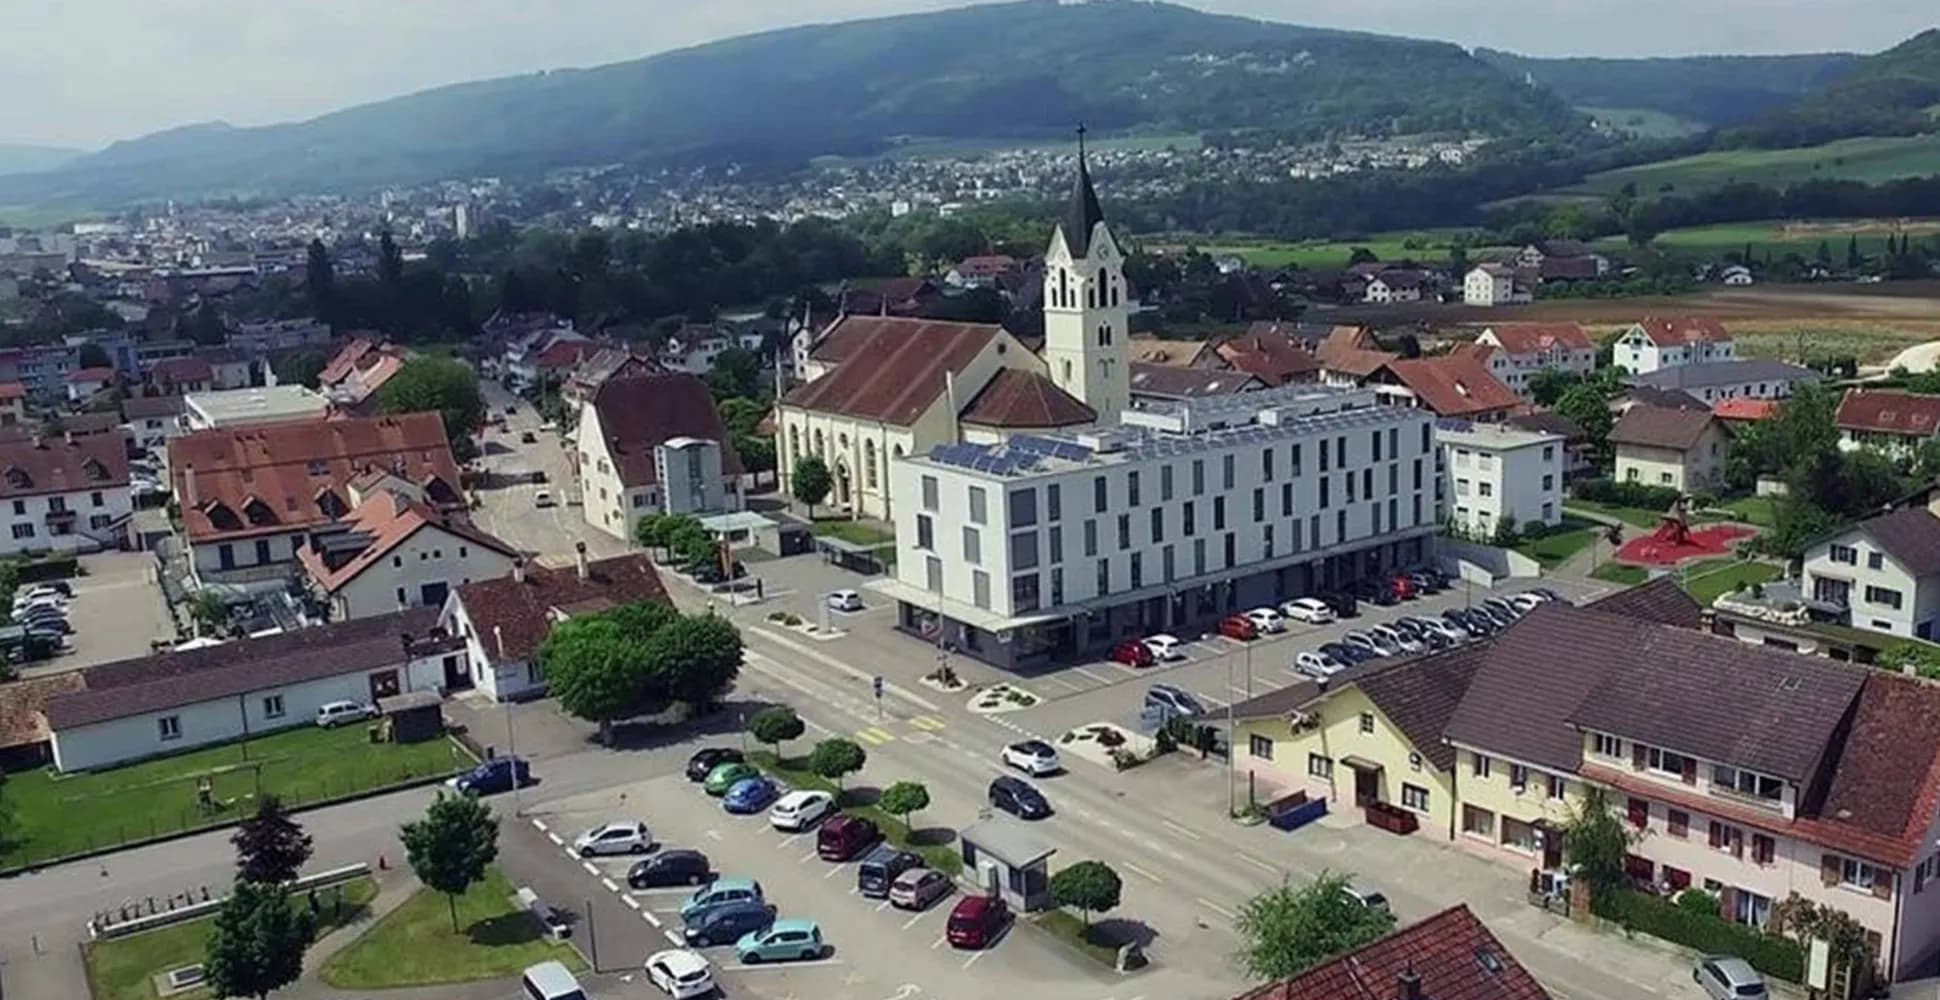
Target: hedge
x,y
1778,957
1657,498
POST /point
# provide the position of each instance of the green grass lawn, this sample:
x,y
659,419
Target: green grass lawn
x,y
1706,584
414,944
1423,244
1555,549
854,531
1634,516
1869,159
1071,929
1623,573
125,968
54,815
1779,237
941,856
1753,510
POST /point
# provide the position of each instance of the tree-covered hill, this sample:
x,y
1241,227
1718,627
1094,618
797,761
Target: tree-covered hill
x,y
1709,90
1895,92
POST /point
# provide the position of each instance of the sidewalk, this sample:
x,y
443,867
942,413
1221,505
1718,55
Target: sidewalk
x,y
393,888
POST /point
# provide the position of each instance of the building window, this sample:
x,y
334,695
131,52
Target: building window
x,y
929,493
1677,823
1098,495
1479,764
1023,593
169,727
1478,822
979,509
1674,764
1414,797
1759,786
1843,554
1638,812
1883,596
1023,508
1053,503
1727,838
1763,849
1131,487
95,498
1091,538
273,706
933,574
1557,786
1320,767
1057,545
1226,470
1259,746
1606,745
1520,836
925,532
980,588
1104,577
1518,777
972,545
1367,722
1858,874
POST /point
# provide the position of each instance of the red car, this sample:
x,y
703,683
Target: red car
x,y
976,920
1133,653
1238,627
1403,587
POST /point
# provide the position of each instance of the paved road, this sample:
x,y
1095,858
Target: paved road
x,y
509,511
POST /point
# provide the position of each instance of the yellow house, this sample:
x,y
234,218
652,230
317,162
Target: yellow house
x,y
1370,735
1511,807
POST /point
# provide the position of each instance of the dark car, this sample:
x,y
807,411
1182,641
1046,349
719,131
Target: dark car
x,y
528,438
878,871
725,924
1345,653
844,837
496,775
673,867
976,921
1017,797
1377,591
707,759
1344,604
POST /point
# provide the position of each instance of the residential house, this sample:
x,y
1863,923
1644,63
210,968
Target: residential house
x,y
503,621
1658,343
151,421
65,493
1528,348
693,348
167,703
1349,355
981,271
639,439
1883,572
1562,260
1162,383
556,363
601,366
1448,956
25,741
1752,378
1494,285
231,368
251,495
1579,452
1890,422
1150,350
278,335
393,552
181,375
907,297
1448,385
1397,285
1492,474
353,376
1682,449
1631,396
1269,355
84,383
13,404
1743,410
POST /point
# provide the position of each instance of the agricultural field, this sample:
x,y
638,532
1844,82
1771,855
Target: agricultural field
x,y
928,148
1780,237
1426,245
1644,123
1869,159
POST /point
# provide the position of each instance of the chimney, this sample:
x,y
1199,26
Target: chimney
x,y
188,487
1407,985
405,641
518,570
579,559
68,437
498,636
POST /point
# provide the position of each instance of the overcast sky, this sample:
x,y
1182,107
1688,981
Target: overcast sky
x,y
87,72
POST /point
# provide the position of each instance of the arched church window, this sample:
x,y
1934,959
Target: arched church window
x,y
869,463
1067,371
818,445
1114,292
794,443
1091,296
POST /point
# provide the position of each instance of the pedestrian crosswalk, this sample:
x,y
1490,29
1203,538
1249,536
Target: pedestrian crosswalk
x,y
927,723
875,735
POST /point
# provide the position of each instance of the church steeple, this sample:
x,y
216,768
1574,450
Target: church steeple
x,y
1086,309
1083,213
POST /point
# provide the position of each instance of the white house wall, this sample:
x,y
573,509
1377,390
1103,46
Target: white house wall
x,y
30,514
428,556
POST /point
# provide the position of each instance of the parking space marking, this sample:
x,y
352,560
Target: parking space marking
x,y
806,858
672,938
1180,830
610,885
629,901
920,914
1140,871
1126,669
591,868
782,966
1255,862
875,735
1216,703
650,917
1216,908
929,723
1082,672
555,838
833,872
972,960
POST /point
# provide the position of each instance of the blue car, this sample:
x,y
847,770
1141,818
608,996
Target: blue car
x,y
750,795
499,774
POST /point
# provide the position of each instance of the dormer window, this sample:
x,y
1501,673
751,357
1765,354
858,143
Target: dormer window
x,y
319,468
18,478
258,512
94,470
1747,783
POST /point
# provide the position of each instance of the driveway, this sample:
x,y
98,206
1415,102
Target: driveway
x,y
508,502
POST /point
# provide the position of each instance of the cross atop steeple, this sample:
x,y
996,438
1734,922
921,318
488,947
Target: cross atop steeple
x,y
1081,141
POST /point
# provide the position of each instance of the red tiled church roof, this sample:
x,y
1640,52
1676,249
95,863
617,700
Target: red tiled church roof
x,y
1018,398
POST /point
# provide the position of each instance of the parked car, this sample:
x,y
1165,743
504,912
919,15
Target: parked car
x,y
845,837
527,437
798,811
1403,586
672,867
1367,897
1426,582
1393,637
40,613
680,973
728,922
1311,610
48,626
1017,797
725,775
845,600
721,892
1033,757
1343,604
1547,594
1370,590
1369,642
45,599
1267,620
976,921
1168,700
1441,627
623,837
1165,647
882,866
500,774
1346,653
781,941
750,795
1525,602
1725,977
1501,605
1133,653
706,759
543,498
550,981
917,888
1317,665
59,587
1238,627
331,714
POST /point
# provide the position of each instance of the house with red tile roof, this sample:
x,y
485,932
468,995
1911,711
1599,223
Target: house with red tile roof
x,y
1448,956
1888,421
1658,342
1450,385
632,430
250,496
504,621
1267,353
357,371
394,552
1527,348
83,383
13,403
67,493
175,376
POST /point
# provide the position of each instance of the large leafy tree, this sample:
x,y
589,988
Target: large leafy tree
x,y
452,846
596,668
836,759
320,280
1595,842
775,725
436,385
1288,930
811,481
1089,886
256,945
270,846
694,659
906,797
1588,407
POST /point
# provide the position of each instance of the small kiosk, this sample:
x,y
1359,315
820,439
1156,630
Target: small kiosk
x,y
1010,862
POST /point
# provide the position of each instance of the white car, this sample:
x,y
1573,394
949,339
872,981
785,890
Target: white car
x,y
1308,609
1033,757
845,600
1266,620
623,837
336,713
800,810
1396,638
1164,647
47,598
543,498
680,973
1319,666
1526,601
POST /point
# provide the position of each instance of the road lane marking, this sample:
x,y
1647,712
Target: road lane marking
x,y
591,868
650,917
1055,679
1255,862
1236,689
610,885
1140,871
714,835
673,939
1216,908
555,838
875,735
538,824
629,901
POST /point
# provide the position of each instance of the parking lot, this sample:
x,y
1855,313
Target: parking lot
x,y
116,612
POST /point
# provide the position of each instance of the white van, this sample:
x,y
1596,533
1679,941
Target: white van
x,y
551,981
337,713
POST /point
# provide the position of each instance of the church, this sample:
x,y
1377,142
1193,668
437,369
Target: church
x,y
882,387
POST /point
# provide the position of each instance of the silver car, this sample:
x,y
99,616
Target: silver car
x,y
1723,977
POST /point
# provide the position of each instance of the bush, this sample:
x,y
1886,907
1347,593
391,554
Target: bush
x,y
1774,956
1697,902
1653,498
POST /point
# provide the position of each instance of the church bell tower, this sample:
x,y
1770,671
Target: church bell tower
x,y
1086,312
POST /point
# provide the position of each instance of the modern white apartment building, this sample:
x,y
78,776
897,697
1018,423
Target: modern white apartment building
x,y
274,404
1493,471
1656,344
1051,547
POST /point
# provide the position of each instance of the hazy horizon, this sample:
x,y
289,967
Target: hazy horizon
x,y
194,61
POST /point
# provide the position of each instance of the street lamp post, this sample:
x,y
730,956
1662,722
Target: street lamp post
x,y
1229,736
512,750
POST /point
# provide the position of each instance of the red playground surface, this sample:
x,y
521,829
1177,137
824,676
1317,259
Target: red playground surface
x,y
1671,543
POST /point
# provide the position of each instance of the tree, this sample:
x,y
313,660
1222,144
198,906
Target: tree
x,y
905,797
650,532
1090,886
1588,408
209,609
775,725
690,545
694,659
93,355
256,945
441,385
390,260
642,619
302,368
320,280
207,328
811,481
1595,842
1549,385
270,847
596,669
1286,931
1923,657
735,372
835,759
451,847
